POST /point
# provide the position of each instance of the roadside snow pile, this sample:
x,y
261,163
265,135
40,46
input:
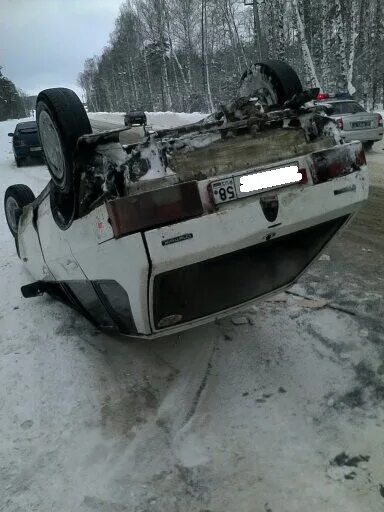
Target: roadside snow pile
x,y
101,114
158,120
109,117
163,120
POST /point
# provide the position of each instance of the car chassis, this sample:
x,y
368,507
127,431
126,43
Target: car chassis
x,y
139,239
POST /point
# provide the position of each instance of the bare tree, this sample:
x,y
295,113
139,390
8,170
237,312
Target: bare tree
x,y
190,54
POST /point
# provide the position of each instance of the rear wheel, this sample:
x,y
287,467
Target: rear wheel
x,y
61,120
271,83
15,198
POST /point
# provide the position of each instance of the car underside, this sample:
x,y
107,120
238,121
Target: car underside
x,y
179,229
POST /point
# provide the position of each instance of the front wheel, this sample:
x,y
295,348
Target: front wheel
x,y
15,198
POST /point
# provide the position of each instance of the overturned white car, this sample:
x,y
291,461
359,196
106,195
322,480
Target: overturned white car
x,y
189,224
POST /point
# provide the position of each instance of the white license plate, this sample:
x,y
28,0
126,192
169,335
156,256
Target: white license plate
x,y
35,149
237,187
361,124
223,190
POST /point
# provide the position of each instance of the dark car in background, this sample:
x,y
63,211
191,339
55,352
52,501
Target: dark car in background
x,y
26,143
135,117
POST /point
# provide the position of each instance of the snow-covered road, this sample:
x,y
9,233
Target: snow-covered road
x,y
246,414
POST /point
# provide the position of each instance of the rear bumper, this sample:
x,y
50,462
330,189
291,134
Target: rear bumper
x,y
25,152
374,134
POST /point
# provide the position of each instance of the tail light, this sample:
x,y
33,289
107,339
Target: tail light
x,y
338,161
304,177
156,208
360,158
322,96
339,124
379,120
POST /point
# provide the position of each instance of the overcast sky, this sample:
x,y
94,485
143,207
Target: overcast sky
x,y
43,43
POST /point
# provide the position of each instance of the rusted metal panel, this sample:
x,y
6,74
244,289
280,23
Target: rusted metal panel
x,y
243,152
135,213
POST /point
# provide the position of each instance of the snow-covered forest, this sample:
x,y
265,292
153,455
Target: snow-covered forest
x,y
188,55
12,101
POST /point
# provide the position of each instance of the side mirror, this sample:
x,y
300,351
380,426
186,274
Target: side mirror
x,y
10,134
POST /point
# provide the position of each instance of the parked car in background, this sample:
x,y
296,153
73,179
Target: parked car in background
x,y
26,143
136,117
354,122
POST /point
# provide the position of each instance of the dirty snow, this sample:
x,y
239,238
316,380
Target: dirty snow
x,y
246,415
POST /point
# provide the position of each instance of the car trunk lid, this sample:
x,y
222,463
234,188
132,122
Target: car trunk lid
x,y
360,121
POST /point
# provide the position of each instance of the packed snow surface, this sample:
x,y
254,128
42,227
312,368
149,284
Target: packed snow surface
x,y
263,412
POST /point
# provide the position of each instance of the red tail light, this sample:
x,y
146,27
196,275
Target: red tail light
x,y
379,120
135,213
304,178
322,96
338,161
360,158
339,124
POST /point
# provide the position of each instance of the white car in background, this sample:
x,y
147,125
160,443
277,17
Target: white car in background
x,y
354,122
189,224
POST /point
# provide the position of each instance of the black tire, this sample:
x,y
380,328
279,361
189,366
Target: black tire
x,y
368,144
18,162
61,120
15,198
277,78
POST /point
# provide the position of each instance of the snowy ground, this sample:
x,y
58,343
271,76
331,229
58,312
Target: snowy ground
x,y
225,417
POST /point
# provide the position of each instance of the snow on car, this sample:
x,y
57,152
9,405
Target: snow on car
x,y
191,223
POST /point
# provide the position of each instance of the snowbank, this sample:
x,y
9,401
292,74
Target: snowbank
x,y
158,120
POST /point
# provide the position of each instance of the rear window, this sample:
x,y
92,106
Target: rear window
x,y
346,107
29,135
28,130
88,298
116,300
